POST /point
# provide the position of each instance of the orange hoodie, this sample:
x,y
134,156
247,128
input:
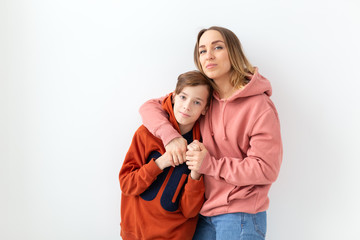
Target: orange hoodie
x,y
158,204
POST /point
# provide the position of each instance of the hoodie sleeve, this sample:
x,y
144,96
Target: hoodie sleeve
x,y
136,175
192,198
264,156
155,119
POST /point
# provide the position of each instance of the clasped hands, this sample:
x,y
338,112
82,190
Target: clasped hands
x,y
178,152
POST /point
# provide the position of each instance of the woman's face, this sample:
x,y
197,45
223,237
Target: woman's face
x,y
214,56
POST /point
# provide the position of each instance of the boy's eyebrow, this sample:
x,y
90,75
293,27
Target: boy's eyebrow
x,y
214,42
197,98
200,99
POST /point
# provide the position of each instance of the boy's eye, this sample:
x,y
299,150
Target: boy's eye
x,y
182,97
197,103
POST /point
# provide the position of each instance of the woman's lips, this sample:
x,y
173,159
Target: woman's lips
x,y
211,65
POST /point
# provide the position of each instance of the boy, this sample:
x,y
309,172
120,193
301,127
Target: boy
x,y
160,200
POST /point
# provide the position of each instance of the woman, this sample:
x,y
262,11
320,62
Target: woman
x,y
241,152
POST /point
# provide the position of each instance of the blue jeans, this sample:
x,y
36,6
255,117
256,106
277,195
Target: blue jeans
x,y
231,226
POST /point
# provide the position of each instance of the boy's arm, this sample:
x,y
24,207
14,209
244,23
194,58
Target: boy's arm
x,y
192,198
136,175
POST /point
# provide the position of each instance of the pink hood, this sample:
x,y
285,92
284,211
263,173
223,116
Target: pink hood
x,y
258,85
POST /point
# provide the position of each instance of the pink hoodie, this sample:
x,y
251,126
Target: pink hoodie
x,y
242,136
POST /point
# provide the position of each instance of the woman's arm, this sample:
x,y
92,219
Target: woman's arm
x,y
155,119
264,156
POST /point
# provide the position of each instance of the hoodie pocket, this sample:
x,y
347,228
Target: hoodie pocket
x,y
242,192
220,192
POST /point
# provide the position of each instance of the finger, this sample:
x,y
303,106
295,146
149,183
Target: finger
x,y
192,154
181,153
171,161
176,160
195,147
189,165
189,157
190,147
201,146
180,158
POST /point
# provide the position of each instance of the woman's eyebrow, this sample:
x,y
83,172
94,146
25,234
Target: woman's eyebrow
x,y
214,42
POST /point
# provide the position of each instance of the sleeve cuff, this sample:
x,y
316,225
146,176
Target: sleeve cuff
x,y
152,168
206,165
167,133
195,185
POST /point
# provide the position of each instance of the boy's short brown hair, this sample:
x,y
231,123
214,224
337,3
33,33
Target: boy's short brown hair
x,y
194,78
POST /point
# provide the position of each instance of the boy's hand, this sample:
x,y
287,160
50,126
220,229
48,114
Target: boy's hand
x,y
164,161
177,149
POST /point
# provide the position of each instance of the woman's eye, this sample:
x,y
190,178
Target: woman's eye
x,y
218,47
202,52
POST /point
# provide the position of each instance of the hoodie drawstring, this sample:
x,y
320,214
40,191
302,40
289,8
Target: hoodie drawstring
x,y
223,120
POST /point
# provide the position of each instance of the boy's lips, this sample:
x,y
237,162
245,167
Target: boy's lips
x,y
184,114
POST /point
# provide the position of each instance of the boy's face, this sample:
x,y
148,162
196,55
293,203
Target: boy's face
x,y
189,104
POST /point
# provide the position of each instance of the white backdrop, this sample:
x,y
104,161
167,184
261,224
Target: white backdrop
x,y
73,75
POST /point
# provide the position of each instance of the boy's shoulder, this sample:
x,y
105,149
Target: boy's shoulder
x,y
142,133
142,130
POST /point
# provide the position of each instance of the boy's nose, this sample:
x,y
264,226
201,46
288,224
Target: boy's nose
x,y
187,105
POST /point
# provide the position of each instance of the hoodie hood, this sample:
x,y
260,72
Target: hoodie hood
x,y
258,85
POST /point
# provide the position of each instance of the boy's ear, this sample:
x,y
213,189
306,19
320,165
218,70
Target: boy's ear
x,y
173,98
205,110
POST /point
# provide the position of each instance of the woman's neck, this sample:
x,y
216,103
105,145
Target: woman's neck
x,y
225,88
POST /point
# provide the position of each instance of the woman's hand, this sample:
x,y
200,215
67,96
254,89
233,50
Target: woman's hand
x,y
177,149
195,155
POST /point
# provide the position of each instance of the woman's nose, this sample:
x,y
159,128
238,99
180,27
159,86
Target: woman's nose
x,y
209,55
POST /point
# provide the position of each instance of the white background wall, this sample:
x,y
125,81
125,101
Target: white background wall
x,y
73,75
